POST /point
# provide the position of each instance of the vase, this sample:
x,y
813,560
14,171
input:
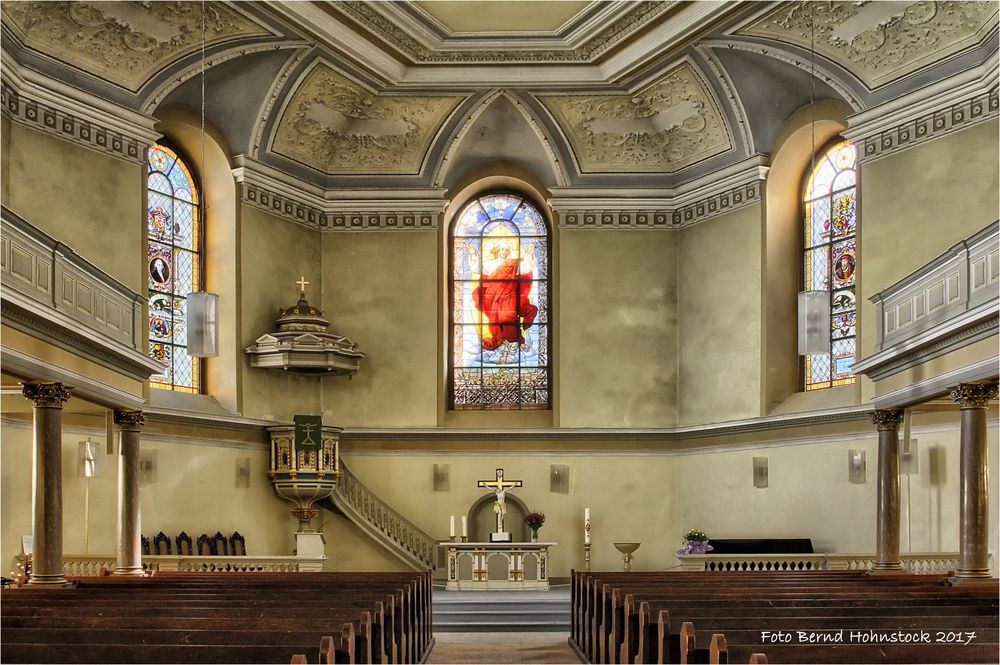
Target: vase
x,y
534,535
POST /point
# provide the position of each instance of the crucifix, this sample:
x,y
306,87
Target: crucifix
x,y
500,486
302,285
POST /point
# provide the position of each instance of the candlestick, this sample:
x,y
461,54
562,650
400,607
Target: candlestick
x,y
465,526
451,529
586,526
586,557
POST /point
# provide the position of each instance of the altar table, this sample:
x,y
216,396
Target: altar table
x,y
497,566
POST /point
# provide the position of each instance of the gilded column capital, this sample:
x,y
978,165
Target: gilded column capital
x,y
45,393
973,395
130,419
886,419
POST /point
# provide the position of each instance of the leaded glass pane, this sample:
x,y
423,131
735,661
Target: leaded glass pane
x,y
830,260
499,304
173,266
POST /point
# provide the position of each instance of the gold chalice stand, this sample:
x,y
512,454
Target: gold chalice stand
x,y
626,549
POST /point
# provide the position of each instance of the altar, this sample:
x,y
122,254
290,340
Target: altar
x,y
497,566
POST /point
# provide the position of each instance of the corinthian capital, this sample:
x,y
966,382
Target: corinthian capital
x,y
130,419
45,393
974,395
886,419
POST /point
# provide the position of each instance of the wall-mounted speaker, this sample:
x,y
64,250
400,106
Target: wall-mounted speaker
x,y
760,472
857,467
559,478
442,477
243,472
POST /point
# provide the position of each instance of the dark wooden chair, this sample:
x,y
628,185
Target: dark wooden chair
x,y
237,544
205,545
161,544
145,545
184,547
220,544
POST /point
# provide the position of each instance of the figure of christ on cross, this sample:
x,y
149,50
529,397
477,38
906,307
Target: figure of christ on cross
x,y
500,486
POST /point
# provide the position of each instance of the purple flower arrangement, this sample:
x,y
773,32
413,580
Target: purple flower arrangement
x,y
695,542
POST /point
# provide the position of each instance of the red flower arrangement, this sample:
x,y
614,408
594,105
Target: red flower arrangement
x,y
534,520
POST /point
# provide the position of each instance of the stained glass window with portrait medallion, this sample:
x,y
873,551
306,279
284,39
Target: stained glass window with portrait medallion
x,y
173,266
499,305
830,260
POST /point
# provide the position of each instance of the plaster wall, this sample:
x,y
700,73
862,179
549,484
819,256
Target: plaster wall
x,y
916,204
381,291
809,494
719,307
88,200
275,253
617,350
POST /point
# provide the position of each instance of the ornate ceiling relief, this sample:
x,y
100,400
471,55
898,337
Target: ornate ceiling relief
x,y
338,127
125,43
670,124
879,42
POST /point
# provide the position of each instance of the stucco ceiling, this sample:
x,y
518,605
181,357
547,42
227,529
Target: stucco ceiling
x,y
408,94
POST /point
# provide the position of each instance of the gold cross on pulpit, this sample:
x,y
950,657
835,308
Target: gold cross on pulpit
x,y
500,486
302,284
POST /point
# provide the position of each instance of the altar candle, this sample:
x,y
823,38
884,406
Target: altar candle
x,y
465,526
451,530
586,526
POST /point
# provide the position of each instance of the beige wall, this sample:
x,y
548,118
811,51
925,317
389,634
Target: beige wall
x,y
617,349
381,291
91,201
719,308
275,253
916,204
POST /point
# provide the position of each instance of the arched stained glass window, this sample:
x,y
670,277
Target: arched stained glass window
x,y
831,260
173,266
499,305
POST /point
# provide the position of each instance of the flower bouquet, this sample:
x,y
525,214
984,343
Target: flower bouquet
x,y
534,520
695,542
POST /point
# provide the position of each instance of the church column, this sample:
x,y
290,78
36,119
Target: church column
x,y
129,559
887,534
47,400
973,558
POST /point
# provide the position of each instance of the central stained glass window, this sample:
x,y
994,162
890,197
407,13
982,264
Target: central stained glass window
x,y
173,267
500,305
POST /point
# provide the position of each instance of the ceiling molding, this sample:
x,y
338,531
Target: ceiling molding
x,y
744,133
937,386
959,101
57,108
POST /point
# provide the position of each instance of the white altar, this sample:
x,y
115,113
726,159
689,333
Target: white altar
x,y
496,566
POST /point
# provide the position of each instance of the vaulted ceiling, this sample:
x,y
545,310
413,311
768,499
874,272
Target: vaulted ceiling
x,y
416,94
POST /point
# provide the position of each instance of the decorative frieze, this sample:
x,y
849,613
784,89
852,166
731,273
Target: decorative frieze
x,y
959,115
58,122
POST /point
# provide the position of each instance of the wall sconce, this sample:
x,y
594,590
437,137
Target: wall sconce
x,y
442,477
243,472
87,464
857,467
760,472
559,478
147,466
202,324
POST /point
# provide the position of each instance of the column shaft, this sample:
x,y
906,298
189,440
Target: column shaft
x,y
47,537
887,533
973,559
129,554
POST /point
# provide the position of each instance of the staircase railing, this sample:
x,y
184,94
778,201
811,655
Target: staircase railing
x,y
406,540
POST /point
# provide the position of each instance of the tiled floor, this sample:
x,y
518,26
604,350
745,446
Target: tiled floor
x,y
502,648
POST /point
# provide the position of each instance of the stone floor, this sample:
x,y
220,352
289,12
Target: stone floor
x,y
502,648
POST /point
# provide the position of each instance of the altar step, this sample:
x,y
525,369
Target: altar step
x,y
501,611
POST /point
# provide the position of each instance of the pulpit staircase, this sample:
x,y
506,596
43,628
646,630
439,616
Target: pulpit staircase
x,y
408,542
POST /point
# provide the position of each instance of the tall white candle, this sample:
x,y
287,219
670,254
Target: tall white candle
x,y
465,526
451,529
586,526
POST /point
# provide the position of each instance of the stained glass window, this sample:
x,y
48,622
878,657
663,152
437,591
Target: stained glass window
x,y
830,260
499,305
173,266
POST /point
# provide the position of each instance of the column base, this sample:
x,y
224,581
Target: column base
x,y
887,568
130,571
973,576
49,581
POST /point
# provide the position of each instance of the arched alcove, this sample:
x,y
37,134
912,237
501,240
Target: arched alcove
x,y
482,519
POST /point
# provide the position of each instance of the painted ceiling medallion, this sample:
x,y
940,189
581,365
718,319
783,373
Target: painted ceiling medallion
x,y
670,124
125,43
335,126
879,42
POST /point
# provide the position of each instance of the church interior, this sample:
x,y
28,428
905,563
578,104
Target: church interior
x,y
327,279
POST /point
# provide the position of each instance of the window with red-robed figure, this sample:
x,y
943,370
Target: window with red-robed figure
x,y
499,308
